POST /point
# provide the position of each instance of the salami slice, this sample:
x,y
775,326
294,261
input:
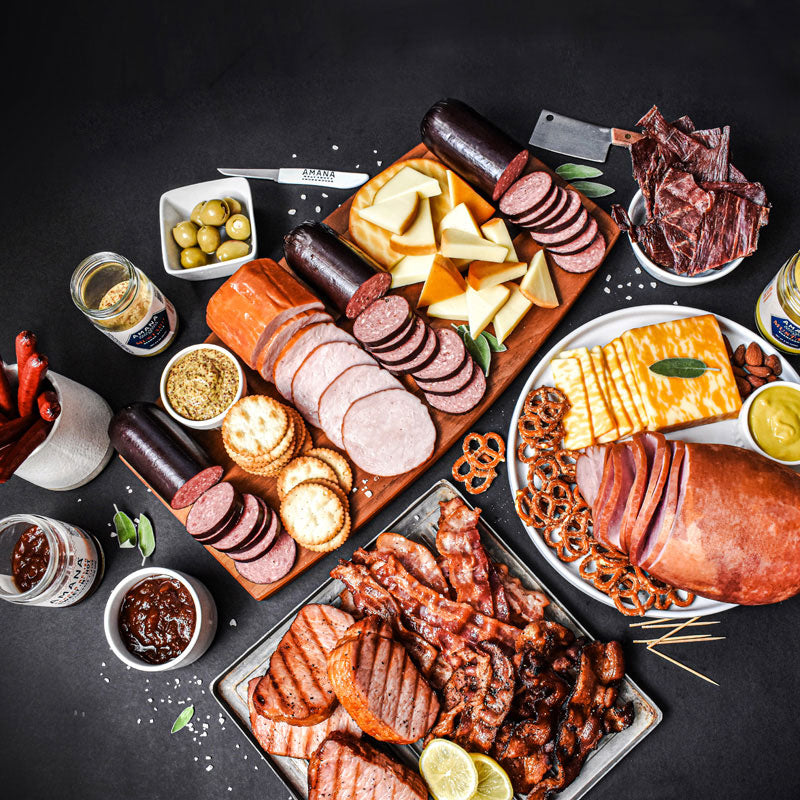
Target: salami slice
x,y
451,385
551,211
382,320
429,351
586,260
462,401
450,359
570,213
527,194
273,565
408,350
580,243
213,511
567,234
250,519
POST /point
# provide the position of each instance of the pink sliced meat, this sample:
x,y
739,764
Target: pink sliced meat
x,y
319,369
402,336
642,449
266,362
569,214
526,194
588,259
273,565
606,484
576,245
453,384
450,359
388,433
569,233
548,213
382,320
589,472
657,480
288,363
409,349
611,516
214,510
426,355
462,401
251,518
353,383
271,530
192,490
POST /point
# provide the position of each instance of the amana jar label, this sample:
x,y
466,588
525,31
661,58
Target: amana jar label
x,y
153,332
79,576
773,321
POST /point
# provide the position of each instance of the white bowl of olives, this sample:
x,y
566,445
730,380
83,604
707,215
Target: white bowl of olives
x,y
207,229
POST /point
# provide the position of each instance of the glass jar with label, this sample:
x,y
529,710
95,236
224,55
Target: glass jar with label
x,y
124,303
778,308
45,562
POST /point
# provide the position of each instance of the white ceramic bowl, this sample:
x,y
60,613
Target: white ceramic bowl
x,y
637,214
202,424
744,424
205,620
176,205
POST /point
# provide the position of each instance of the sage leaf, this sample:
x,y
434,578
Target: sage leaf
x,y
494,345
592,189
479,350
681,367
147,538
124,527
183,719
570,172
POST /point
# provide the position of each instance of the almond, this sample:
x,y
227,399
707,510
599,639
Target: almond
x,y
738,355
760,372
744,387
772,378
774,363
739,371
754,355
755,381
728,348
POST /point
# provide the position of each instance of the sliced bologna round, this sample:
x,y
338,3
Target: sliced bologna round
x,y
214,511
450,359
382,320
567,217
355,382
453,384
527,194
266,361
250,519
319,369
463,401
585,261
566,235
408,350
429,351
548,213
272,529
473,147
578,244
388,433
294,354
273,565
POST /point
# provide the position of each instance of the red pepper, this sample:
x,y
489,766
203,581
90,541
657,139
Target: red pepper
x,y
15,455
30,378
11,431
8,403
49,407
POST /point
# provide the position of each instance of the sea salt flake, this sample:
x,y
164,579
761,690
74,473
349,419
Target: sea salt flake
x,y
638,271
302,197
653,284
334,147
232,623
607,290
292,212
368,493
317,209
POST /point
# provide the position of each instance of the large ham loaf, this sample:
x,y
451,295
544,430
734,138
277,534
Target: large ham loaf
x,y
376,681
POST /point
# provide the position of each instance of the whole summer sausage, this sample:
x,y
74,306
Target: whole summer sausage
x,y
528,194
214,511
163,454
473,147
273,565
334,268
382,320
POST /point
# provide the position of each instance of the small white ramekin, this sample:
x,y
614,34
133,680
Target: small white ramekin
x,y
201,424
744,422
205,621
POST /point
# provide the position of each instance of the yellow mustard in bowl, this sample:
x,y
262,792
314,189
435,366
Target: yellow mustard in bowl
x,y
774,421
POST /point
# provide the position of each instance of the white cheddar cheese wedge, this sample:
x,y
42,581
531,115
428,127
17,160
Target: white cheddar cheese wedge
x,y
485,274
419,239
537,285
411,269
458,244
461,192
454,309
461,220
408,180
495,230
511,313
483,305
394,215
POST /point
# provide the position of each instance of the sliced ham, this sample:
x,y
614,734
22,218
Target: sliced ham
x,y
266,361
609,527
589,472
643,450
657,480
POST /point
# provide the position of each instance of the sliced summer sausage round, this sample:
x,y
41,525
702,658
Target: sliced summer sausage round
x,y
213,510
429,351
462,401
566,235
527,194
548,213
453,384
450,359
273,565
270,532
586,260
249,520
399,338
409,349
578,244
382,320
569,214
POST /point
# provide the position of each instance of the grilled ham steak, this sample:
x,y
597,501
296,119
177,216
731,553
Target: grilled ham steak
x,y
377,683
298,741
296,688
344,767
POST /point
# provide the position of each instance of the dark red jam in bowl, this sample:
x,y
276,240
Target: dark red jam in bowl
x,y
157,619
30,558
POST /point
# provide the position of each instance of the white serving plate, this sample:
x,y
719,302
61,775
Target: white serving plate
x,y
600,331
176,205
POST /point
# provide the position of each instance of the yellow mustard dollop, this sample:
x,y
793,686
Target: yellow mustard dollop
x,y
774,421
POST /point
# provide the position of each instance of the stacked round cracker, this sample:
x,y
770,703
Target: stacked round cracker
x,y
315,509
262,435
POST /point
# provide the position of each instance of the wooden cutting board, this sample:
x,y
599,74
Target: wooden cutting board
x,y
371,493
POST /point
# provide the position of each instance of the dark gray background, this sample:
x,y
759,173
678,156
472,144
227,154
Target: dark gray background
x,y
107,108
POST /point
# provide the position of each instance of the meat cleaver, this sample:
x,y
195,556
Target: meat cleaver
x,y
572,137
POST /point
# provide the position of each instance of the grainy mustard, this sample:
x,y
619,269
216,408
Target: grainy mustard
x,y
202,384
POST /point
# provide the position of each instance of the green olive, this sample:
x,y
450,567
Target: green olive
x,y
193,257
185,234
233,204
195,215
238,227
208,238
214,212
232,249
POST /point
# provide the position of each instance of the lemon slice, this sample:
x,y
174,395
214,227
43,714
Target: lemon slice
x,y
493,782
448,770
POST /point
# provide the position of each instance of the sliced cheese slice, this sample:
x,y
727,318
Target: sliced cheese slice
x,y
408,180
458,244
455,308
485,274
461,192
394,215
630,382
511,313
537,285
460,219
483,305
568,377
495,230
411,269
618,380
444,281
419,239
602,421
613,400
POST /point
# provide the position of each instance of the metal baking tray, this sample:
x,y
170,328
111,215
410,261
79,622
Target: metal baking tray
x,y
418,522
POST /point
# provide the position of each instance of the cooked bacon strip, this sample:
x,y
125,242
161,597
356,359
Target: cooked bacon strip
x,y
416,558
526,605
